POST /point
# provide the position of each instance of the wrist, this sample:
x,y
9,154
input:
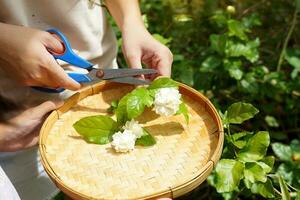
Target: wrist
x,y
132,23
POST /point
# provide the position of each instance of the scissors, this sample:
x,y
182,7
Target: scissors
x,y
115,75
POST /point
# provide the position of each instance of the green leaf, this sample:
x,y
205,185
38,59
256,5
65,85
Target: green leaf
x,y
96,129
256,147
136,102
133,104
121,111
248,50
162,39
284,189
146,140
267,163
286,170
184,73
163,82
254,172
240,139
271,121
218,43
298,5
298,193
183,110
233,67
237,29
292,57
252,20
265,189
113,106
239,112
210,64
229,173
249,84
282,151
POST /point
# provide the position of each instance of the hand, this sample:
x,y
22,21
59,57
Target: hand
x,y
22,131
140,47
25,58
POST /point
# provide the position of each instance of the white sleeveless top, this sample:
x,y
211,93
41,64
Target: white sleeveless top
x,y
88,32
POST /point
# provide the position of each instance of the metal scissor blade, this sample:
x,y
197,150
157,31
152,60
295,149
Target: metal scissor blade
x,y
131,80
118,73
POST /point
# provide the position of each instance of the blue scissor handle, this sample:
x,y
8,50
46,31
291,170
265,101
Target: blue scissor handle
x,y
68,55
80,78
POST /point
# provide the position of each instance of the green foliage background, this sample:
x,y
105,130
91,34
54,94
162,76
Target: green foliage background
x,y
249,52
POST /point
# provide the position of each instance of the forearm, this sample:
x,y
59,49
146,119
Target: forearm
x,y
126,13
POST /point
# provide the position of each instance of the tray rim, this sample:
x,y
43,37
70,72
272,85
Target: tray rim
x,y
174,192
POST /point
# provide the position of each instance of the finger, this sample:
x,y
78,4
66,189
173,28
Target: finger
x,y
57,77
164,64
21,143
44,108
134,61
53,43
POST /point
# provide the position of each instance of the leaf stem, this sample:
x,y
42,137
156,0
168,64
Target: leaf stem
x,y
286,41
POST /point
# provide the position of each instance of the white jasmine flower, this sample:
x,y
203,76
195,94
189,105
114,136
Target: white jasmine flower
x,y
167,101
135,127
123,142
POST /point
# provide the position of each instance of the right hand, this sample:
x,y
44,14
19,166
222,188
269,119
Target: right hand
x,y
25,58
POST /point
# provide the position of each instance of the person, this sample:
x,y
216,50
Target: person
x,y
25,61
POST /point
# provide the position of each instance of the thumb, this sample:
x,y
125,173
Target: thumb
x,y
53,43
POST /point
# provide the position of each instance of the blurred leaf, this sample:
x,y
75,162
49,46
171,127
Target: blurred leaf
x,y
282,151
249,84
210,64
256,147
229,173
298,5
265,189
284,189
286,171
271,121
248,50
218,43
185,74
239,112
252,20
162,39
237,29
254,172
219,18
233,67
293,60
298,193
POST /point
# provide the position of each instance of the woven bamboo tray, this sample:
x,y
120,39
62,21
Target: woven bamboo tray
x,y
181,160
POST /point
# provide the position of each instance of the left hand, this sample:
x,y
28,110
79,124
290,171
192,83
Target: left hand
x,y
140,47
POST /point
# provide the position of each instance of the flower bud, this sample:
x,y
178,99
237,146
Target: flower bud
x,y
230,10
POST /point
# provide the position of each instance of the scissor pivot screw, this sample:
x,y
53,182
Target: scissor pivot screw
x,y
100,73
